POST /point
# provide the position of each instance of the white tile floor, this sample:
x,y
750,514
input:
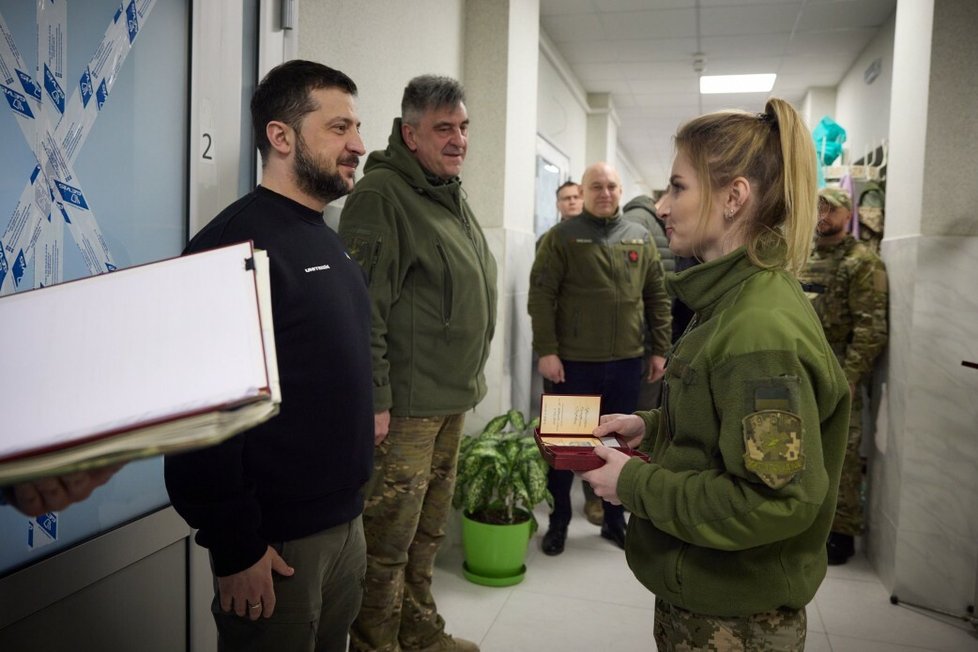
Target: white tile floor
x,y
573,601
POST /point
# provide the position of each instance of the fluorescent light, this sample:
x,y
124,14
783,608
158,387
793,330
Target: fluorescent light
x,y
736,83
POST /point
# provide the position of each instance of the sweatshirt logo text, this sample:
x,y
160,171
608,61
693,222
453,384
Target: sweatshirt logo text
x,y
317,268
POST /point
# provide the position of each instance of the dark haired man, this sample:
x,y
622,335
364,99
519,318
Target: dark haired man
x,y
432,283
279,506
570,201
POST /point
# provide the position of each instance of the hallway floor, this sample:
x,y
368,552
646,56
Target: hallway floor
x,y
570,602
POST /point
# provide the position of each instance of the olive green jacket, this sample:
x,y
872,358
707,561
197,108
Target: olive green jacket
x,y
432,282
731,515
595,288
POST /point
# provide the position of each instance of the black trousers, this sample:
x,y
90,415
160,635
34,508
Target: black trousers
x,y
618,384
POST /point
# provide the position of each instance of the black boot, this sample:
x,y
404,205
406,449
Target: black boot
x,y
840,547
614,531
553,540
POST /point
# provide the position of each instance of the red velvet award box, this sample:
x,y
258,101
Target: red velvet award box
x,y
564,436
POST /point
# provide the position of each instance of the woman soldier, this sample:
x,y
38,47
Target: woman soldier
x,y
730,517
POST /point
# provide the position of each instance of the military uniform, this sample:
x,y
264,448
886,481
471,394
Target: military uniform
x,y
847,285
432,284
596,288
730,516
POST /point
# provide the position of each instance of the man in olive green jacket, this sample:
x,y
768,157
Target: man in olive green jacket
x,y
432,283
596,288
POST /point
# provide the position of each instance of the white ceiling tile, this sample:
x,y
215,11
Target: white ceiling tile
x,y
652,70
659,50
841,41
846,14
659,23
827,62
717,48
666,85
632,5
741,65
755,19
713,4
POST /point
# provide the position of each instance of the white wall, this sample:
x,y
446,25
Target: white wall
x,y
632,183
382,45
818,102
909,96
864,109
561,108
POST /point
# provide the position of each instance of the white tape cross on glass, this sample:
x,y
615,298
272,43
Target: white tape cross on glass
x,y
56,129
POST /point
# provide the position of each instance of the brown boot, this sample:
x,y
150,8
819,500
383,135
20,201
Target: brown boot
x,y
594,511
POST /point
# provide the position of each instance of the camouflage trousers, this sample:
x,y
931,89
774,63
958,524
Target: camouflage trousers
x,y
849,509
678,630
408,500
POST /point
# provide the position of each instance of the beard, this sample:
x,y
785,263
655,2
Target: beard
x,y
314,177
828,230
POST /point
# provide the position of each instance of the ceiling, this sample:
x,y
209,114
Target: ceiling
x,y
642,51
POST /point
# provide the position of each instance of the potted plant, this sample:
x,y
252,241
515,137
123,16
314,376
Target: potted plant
x,y
501,478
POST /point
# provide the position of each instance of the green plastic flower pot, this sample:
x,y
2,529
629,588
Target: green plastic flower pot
x,y
494,554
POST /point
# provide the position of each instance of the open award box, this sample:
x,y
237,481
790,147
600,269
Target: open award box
x,y
564,436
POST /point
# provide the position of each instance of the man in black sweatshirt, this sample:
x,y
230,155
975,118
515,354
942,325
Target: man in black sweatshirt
x,y
279,506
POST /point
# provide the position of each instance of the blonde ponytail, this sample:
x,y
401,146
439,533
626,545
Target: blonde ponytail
x,y
800,183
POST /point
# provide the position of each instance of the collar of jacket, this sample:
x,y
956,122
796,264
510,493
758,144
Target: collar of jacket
x,y
701,286
643,203
840,248
602,222
398,157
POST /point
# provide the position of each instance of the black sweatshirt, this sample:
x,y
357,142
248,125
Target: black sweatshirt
x,y
302,471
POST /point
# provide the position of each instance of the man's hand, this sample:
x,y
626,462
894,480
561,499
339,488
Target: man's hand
x,y
604,479
551,368
657,368
382,425
54,493
250,593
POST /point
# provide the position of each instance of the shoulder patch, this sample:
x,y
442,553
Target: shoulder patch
x,y
773,446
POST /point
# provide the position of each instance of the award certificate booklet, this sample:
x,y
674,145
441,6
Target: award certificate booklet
x,y
562,414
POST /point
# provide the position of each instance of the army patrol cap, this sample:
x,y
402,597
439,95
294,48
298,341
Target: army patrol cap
x,y
836,196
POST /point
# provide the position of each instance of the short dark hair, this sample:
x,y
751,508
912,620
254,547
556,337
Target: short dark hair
x,y
285,94
427,92
568,184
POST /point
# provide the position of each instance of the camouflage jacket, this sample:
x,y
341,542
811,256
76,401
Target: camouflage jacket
x,y
847,285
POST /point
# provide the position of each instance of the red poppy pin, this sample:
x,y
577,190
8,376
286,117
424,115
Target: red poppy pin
x,y
633,256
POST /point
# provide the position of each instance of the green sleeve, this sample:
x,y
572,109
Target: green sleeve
x,y
658,307
546,276
867,305
368,227
651,419
730,508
